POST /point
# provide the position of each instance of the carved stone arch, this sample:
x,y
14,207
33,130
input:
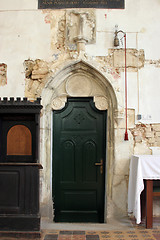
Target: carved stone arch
x,y
78,79
59,86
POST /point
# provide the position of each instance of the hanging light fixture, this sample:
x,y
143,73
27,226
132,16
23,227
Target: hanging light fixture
x,y
116,44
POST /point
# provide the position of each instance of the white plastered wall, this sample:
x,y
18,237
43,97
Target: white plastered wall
x,y
25,33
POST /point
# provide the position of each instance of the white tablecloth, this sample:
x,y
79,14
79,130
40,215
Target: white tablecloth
x,y
141,167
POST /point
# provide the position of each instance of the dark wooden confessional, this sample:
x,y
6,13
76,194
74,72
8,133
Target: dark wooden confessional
x,y
19,167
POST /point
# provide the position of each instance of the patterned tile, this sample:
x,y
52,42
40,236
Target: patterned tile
x,y
92,237
137,232
66,232
78,237
65,237
150,234
157,236
51,237
78,232
90,232
156,231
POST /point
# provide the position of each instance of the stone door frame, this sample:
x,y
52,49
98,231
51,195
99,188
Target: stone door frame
x,y
78,79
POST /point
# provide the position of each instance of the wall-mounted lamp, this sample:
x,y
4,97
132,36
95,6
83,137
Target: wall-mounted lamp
x,y
116,44
116,39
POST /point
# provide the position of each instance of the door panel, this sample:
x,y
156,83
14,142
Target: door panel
x,y
78,144
68,159
89,160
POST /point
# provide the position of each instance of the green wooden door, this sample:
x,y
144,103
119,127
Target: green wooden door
x,y
78,152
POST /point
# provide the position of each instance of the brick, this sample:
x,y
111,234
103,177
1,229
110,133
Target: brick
x,y
156,127
38,76
149,134
157,134
138,139
135,58
41,71
151,140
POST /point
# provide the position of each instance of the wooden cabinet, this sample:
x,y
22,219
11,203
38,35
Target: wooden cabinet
x,y
19,166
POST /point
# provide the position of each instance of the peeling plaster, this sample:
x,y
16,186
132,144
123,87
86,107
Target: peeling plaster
x,y
155,63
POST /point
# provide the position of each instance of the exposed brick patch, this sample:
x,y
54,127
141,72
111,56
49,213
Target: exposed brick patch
x,y
116,60
35,69
3,74
36,73
147,133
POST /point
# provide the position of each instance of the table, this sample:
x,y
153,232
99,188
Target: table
x,y
141,167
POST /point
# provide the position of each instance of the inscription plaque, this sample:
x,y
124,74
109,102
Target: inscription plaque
x,y
59,4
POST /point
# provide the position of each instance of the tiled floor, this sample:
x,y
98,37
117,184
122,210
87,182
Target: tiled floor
x,y
105,235
124,229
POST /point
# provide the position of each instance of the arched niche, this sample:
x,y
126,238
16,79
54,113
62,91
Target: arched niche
x,y
19,141
78,79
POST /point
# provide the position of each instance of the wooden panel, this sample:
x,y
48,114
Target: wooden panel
x,y
19,141
80,200
76,120
9,180
19,203
12,187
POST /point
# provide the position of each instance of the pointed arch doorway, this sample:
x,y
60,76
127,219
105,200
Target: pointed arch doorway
x,y
76,80
79,161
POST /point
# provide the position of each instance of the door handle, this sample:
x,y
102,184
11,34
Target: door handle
x,y
100,164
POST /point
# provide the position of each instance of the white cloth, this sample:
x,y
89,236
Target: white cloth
x,y
141,167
